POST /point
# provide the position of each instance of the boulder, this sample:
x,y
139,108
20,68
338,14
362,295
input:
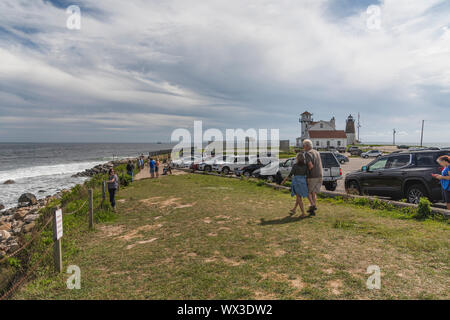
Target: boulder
x,y
28,227
9,182
19,214
27,199
13,246
30,218
5,226
4,235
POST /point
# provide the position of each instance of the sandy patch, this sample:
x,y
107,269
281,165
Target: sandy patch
x,y
231,262
135,233
112,231
141,242
162,203
335,286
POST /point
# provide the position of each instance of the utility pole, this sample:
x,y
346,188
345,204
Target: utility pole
x,y
394,136
359,125
421,136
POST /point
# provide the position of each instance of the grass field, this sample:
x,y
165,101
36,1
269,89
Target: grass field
x,y
204,237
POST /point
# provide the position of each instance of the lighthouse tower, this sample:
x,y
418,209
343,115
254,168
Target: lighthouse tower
x,y
350,130
305,120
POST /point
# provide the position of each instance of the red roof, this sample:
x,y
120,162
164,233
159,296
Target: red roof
x,y
327,134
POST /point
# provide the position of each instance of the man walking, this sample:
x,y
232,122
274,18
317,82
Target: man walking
x,y
314,176
152,164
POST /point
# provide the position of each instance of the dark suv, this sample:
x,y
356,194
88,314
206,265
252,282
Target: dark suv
x,y
401,175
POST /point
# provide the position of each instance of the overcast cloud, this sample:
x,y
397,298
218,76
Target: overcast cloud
x,y
139,69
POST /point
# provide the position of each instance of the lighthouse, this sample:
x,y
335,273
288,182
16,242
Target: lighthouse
x,y
350,130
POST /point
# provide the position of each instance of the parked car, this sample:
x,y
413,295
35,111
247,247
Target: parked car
x,y
403,175
355,151
341,149
276,172
341,158
372,154
248,170
230,163
208,163
403,147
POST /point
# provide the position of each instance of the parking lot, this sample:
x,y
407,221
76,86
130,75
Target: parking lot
x,y
353,165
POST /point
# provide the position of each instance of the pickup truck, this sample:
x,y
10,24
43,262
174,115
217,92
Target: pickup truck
x,y
276,172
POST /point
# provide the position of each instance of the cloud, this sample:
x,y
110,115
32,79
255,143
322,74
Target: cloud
x,y
154,66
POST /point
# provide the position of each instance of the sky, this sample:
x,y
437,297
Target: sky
x,y
137,70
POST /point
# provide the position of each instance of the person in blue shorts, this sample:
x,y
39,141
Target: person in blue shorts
x,y
152,166
299,185
444,177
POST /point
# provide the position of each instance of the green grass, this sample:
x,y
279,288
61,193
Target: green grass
x,y
205,237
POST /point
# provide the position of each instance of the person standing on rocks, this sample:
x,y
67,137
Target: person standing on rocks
x,y
315,175
113,185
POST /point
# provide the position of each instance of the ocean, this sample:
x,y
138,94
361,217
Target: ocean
x,y
46,168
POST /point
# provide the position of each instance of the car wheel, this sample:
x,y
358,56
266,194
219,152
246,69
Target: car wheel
x,y
331,186
247,174
366,157
270,179
415,192
225,170
342,161
353,188
208,168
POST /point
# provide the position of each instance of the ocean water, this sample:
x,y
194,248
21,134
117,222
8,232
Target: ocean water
x,y
45,168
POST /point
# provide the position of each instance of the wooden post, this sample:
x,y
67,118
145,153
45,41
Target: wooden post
x,y
91,209
103,193
57,252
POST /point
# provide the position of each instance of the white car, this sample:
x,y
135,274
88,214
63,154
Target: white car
x,y
231,163
208,163
372,154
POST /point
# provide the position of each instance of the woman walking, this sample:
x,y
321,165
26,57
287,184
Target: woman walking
x,y
444,161
299,186
113,185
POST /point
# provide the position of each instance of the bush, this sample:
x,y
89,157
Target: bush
x,y
125,180
424,208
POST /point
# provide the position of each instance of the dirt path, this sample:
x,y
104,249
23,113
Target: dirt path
x,y
145,173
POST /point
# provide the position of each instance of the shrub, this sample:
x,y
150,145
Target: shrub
x,y
424,208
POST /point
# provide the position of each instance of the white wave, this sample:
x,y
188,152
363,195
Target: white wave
x,y
40,171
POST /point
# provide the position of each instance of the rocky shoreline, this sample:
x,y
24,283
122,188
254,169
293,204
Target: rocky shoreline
x,y
20,220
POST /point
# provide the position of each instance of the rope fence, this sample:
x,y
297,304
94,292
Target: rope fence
x,y
57,234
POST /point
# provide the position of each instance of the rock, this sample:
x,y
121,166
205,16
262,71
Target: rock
x,y
2,207
20,214
28,227
9,182
28,198
13,246
30,218
5,226
4,235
